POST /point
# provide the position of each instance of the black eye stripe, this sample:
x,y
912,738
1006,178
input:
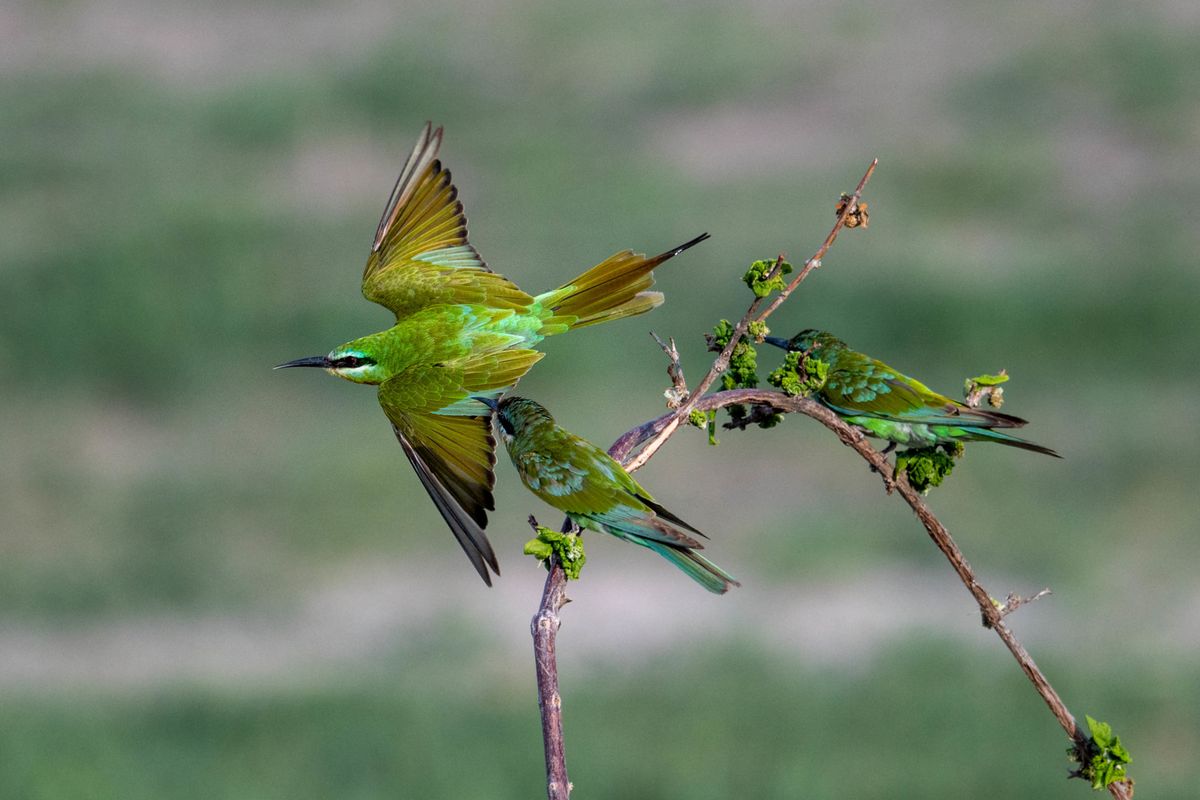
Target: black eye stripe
x,y
352,361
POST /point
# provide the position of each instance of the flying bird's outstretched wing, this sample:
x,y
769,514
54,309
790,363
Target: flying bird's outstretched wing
x,y
421,256
449,443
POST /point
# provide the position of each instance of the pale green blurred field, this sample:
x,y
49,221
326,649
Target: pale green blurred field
x,y
217,581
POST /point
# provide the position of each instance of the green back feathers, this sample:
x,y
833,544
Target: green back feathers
x,y
579,478
894,406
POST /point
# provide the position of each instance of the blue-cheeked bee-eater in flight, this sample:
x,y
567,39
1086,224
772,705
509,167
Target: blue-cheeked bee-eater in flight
x,y
462,330
595,491
890,405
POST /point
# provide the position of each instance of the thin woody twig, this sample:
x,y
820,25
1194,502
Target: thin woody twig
x,y
545,623
654,433
678,393
753,314
993,617
849,207
1015,601
544,629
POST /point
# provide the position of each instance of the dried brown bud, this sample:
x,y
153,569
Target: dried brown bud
x,y
858,218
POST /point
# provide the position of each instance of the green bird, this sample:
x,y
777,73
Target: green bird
x,y
462,330
595,491
890,405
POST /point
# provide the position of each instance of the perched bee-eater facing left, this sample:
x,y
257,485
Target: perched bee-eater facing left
x,y
462,330
887,403
595,491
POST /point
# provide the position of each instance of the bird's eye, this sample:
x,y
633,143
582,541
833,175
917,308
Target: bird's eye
x,y
350,361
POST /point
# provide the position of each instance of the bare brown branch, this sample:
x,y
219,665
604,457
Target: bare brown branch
x,y
544,628
849,207
651,435
993,617
1015,601
678,392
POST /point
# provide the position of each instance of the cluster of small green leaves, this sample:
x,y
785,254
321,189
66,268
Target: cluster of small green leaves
x,y
927,467
705,420
567,547
986,380
742,372
985,387
799,375
756,277
1103,758
743,367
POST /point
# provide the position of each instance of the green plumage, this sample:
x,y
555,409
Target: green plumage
x,y
595,491
462,330
890,405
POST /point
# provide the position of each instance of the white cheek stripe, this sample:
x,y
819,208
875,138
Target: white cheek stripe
x,y
349,373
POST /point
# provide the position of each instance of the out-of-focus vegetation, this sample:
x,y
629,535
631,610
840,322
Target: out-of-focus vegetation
x,y
187,195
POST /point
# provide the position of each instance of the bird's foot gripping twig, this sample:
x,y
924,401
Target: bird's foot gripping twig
x,y
885,452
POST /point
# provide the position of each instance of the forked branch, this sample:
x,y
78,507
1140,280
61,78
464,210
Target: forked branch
x,y
546,621
638,445
993,614
756,313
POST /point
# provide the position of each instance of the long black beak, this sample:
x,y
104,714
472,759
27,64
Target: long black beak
x,y
487,401
308,361
786,344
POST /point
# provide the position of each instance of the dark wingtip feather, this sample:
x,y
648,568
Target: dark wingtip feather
x,y
1001,420
467,532
1037,448
988,435
674,251
669,516
429,138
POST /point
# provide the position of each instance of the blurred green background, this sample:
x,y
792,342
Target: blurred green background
x,y
221,582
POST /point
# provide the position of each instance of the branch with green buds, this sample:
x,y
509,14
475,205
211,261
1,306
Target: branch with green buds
x,y
551,545
699,408
1102,758
705,421
927,467
544,629
756,315
684,402
742,372
897,481
766,276
800,375
985,387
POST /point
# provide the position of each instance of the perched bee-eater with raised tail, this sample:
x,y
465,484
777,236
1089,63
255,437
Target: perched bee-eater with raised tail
x,y
462,330
890,405
595,491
